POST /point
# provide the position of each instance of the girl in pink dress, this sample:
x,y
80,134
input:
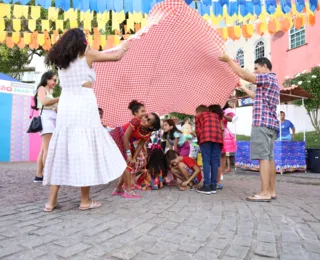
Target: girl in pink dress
x,y
229,141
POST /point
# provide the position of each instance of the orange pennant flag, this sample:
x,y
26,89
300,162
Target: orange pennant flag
x,y
9,42
272,28
231,33
110,42
311,19
34,41
284,24
137,27
298,22
47,43
96,39
21,43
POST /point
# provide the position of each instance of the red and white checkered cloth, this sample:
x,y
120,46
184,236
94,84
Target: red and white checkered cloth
x,y
172,66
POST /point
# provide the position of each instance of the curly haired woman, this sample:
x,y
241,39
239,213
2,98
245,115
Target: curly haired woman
x,y
81,153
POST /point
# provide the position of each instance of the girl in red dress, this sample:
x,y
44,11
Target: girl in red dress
x,y
138,132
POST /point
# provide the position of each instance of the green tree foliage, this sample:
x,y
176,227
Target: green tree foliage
x,y
311,83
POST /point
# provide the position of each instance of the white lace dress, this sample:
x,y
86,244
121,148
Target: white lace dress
x,y
81,153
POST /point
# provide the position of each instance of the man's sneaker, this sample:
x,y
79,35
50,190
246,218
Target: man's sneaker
x,y
204,190
213,188
38,179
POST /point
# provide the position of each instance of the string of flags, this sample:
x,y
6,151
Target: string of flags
x,y
23,25
245,7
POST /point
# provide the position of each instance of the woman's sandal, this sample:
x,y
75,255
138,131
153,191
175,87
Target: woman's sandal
x,y
94,205
117,193
49,209
130,195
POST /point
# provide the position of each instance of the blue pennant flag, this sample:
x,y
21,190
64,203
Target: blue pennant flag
x,y
205,9
313,5
207,2
285,6
217,8
128,6
233,8
188,2
76,4
84,5
93,5
58,3
271,6
137,5
146,6
102,6
300,5
45,3
65,5
257,6
23,2
118,5
109,5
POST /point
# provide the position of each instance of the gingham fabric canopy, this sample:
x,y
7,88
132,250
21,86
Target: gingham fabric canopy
x,y
172,66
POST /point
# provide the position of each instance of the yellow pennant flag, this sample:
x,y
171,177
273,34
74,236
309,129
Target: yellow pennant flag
x,y
103,40
277,25
101,25
103,16
32,25
16,25
237,32
2,25
87,24
215,20
41,39
116,40
25,11
263,28
137,17
121,16
17,11
229,20
45,25
3,36
130,24
74,24
87,15
5,10
144,22
35,12
71,14
115,24
59,25
16,37
27,38
53,13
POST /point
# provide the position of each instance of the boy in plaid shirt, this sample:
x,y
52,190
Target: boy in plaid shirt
x,y
210,138
265,123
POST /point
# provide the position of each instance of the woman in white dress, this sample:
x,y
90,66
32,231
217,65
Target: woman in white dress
x,y
81,153
44,101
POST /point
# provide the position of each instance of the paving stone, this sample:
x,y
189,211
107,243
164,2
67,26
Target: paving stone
x,y
127,253
290,237
190,246
34,242
266,249
179,256
239,252
10,250
242,240
292,248
72,250
263,236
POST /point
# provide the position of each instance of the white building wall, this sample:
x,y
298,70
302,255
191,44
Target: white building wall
x,y
40,68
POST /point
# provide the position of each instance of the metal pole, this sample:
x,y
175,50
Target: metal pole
x,y
304,125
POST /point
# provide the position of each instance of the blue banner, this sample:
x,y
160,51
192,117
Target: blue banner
x,y
271,6
313,5
300,5
285,6
137,5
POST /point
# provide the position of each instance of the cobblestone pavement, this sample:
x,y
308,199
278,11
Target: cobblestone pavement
x,y
165,224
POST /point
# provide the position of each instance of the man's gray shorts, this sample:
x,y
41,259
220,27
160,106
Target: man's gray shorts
x,y
262,143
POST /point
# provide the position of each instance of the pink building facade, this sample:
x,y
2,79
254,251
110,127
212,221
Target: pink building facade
x,y
296,50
